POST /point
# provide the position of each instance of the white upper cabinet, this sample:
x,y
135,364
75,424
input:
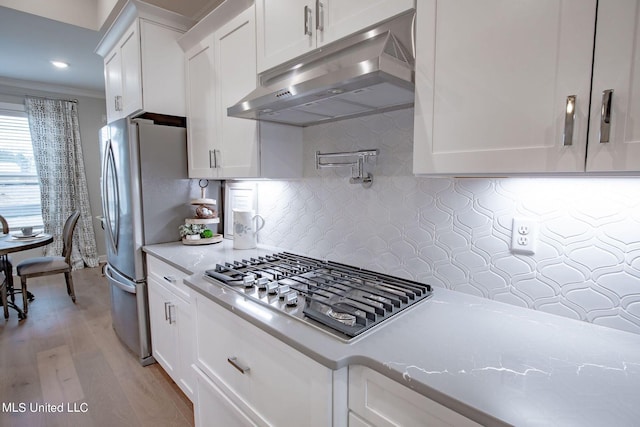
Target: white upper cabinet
x,y
144,65
287,29
340,18
113,84
502,87
220,70
200,110
131,69
616,72
235,73
220,54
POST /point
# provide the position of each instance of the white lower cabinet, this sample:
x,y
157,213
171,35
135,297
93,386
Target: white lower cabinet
x,y
171,320
216,408
253,378
246,377
356,421
376,400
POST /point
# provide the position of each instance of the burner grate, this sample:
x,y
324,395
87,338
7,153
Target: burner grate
x,y
340,297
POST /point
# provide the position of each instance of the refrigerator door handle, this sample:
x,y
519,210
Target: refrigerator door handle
x,y
121,285
109,173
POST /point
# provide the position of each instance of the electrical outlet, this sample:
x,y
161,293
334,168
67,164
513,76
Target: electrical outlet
x,y
524,233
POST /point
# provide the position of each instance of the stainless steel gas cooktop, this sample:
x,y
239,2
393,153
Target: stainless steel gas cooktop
x,y
339,299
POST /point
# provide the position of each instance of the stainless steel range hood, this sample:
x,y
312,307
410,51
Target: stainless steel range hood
x,y
370,72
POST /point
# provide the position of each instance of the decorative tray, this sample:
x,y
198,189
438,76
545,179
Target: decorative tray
x,y
217,238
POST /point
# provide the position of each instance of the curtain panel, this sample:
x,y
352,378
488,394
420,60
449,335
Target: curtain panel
x,y
57,150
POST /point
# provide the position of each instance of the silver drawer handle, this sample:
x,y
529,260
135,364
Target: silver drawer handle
x,y
569,119
234,362
605,115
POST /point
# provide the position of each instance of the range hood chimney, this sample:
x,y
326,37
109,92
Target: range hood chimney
x,y
369,72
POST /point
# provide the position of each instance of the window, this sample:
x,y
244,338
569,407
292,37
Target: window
x,y
19,185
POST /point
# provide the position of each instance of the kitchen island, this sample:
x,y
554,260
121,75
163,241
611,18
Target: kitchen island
x,y
491,362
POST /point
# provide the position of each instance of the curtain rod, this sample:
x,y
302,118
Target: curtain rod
x,y
52,99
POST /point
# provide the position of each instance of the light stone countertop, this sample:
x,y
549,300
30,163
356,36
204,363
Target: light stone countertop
x,y
492,362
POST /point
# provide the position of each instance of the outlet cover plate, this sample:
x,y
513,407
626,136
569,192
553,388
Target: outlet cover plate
x,y
524,235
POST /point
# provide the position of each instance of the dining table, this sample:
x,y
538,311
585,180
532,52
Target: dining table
x,y
11,243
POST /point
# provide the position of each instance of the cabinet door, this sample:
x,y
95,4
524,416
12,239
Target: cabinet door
x,y
163,332
183,321
492,85
113,85
235,65
343,17
381,401
131,71
616,65
201,110
281,31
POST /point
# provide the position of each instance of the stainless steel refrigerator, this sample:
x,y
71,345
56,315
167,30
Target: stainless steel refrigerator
x,y
145,195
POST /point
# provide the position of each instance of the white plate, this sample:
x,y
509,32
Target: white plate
x,y
22,236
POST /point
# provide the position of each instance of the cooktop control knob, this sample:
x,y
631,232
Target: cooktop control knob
x,y
262,283
283,290
249,280
272,288
291,298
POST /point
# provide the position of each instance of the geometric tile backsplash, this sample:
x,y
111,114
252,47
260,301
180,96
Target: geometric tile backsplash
x,y
456,232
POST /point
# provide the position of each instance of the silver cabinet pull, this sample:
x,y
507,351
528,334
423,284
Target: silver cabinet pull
x,y
307,21
605,115
167,312
171,319
234,362
319,16
569,119
214,159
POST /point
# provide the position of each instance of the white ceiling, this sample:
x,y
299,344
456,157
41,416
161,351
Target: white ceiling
x,y
28,42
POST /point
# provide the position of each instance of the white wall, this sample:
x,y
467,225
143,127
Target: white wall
x,y
455,233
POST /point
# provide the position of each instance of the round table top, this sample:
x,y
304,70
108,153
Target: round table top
x,y
9,243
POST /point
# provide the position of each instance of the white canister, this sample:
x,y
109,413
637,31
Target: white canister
x,y
246,224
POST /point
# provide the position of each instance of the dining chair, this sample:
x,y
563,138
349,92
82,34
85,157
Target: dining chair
x,y
5,265
46,265
5,225
3,294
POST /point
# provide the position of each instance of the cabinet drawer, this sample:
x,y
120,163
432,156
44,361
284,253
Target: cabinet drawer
x,y
278,383
381,401
169,276
216,405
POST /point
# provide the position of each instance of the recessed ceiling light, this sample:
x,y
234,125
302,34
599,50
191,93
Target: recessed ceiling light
x,y
59,64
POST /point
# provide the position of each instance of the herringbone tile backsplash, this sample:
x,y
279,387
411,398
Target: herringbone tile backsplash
x,y
456,232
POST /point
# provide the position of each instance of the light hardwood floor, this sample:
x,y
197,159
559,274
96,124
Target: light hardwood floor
x,y
68,354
